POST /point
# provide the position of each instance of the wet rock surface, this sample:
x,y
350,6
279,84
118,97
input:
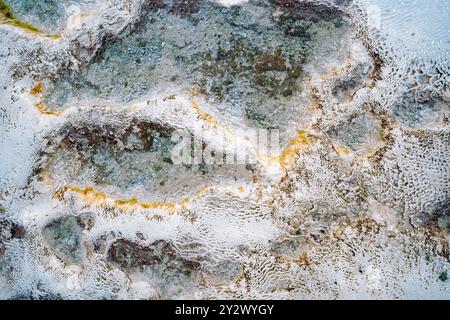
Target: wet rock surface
x,y
310,10
418,109
136,157
354,205
360,130
63,236
50,15
239,57
143,147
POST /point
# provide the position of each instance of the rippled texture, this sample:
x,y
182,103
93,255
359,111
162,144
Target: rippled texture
x,y
354,204
416,27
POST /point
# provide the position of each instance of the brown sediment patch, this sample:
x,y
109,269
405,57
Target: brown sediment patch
x,y
309,10
128,254
85,138
184,7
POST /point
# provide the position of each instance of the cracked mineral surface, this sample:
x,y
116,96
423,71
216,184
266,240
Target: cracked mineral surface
x,y
261,149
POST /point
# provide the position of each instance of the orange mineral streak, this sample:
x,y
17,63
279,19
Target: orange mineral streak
x,y
43,109
203,115
296,145
38,90
342,151
91,196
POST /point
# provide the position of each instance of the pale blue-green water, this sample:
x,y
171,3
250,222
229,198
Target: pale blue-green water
x,y
413,27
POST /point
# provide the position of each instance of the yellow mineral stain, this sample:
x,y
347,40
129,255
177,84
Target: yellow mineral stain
x,y
54,36
184,201
342,151
303,260
90,196
43,109
202,114
200,192
130,202
7,16
241,189
336,71
296,145
27,27
158,205
38,89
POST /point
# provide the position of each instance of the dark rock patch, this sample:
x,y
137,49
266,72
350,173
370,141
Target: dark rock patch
x,y
308,10
63,236
9,230
86,220
128,255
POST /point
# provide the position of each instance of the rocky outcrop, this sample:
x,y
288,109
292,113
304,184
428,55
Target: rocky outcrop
x,y
63,236
128,254
310,10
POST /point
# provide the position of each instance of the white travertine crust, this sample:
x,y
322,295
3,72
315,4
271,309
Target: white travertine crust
x,y
354,205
